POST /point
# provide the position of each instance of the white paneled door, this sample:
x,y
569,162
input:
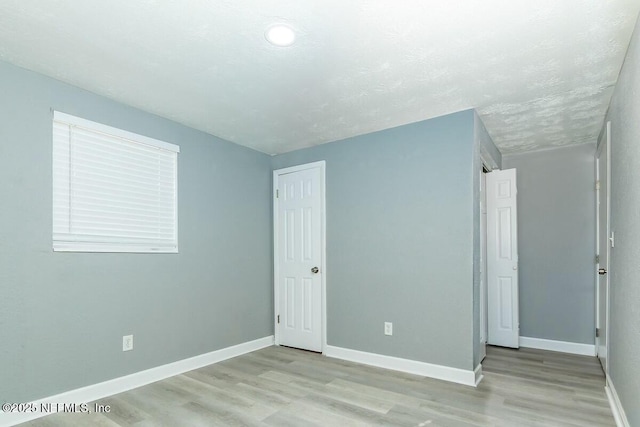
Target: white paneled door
x,y
502,259
299,269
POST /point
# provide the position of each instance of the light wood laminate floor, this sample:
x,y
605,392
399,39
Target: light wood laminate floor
x,y
279,386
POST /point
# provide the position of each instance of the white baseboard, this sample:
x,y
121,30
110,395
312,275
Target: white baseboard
x,y
478,374
616,406
424,369
602,350
138,379
560,346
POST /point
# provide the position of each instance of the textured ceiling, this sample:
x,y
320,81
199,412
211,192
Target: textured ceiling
x,y
540,73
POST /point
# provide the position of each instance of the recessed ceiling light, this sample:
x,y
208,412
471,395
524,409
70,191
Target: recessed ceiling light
x,y
280,35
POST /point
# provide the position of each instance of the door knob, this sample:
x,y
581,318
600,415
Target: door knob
x,y
602,271
315,270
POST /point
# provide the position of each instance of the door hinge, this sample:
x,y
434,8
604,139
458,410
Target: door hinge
x,y
277,194
597,332
597,259
598,185
278,319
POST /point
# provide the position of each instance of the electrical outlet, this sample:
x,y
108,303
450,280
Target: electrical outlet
x,y
127,342
388,328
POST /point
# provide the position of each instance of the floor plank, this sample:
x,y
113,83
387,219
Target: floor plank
x,y
280,386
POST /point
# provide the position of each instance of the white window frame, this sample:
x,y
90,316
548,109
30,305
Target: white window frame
x,y
69,245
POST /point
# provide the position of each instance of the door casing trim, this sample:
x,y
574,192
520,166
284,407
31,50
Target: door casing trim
x,y
607,140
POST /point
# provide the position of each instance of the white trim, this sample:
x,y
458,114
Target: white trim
x,y
478,374
483,263
603,140
323,242
608,276
276,268
560,346
109,130
597,276
487,160
424,369
138,379
616,406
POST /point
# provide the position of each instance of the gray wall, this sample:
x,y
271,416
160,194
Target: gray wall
x,y
624,272
484,149
556,232
63,315
400,239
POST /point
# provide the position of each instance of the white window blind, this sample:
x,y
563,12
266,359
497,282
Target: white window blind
x,y
113,191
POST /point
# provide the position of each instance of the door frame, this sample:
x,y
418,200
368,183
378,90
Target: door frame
x,y
321,165
607,140
483,266
488,164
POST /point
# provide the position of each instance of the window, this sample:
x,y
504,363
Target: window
x,y
113,191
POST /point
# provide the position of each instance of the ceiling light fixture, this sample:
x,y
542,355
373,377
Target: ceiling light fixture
x,y
280,35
